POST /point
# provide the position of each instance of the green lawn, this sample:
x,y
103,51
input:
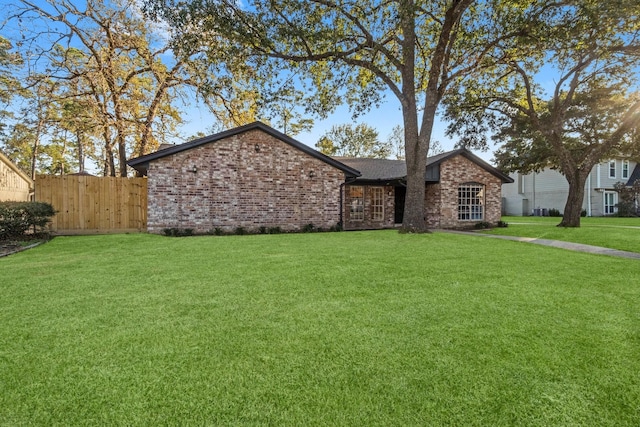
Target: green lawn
x,y
357,328
614,233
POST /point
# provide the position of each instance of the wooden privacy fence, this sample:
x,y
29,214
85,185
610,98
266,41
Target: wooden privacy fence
x,y
90,204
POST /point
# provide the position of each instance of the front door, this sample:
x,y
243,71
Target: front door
x,y
400,193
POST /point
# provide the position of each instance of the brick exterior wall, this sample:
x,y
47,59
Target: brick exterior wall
x,y
368,223
236,186
444,195
441,199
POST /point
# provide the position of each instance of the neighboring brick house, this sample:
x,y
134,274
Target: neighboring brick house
x,y
15,185
254,176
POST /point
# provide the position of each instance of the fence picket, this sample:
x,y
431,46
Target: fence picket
x,y
92,205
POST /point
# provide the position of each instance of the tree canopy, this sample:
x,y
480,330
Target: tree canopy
x,y
360,140
355,52
114,85
586,112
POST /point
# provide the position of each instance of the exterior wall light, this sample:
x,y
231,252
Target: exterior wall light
x,y
194,169
312,174
257,147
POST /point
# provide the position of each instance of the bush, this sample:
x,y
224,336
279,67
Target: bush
x,y
274,230
482,225
178,232
336,228
309,228
554,212
502,224
16,218
240,231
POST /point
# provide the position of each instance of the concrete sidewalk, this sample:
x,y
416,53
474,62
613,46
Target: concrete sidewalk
x,y
556,244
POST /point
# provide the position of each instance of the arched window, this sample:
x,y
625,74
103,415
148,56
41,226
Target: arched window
x,y
471,202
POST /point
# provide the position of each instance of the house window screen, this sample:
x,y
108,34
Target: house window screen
x,y
625,169
471,202
357,203
612,168
377,204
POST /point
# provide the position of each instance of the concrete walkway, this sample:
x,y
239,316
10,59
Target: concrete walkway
x,y
579,247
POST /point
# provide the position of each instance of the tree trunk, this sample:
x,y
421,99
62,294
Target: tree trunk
x,y
414,220
573,207
81,155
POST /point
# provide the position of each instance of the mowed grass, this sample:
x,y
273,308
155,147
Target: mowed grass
x,y
608,232
357,328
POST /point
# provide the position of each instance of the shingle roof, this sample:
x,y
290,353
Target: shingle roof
x,y
635,175
376,169
142,163
388,170
362,168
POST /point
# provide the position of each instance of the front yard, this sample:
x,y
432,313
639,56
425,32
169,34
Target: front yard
x,y
358,328
615,233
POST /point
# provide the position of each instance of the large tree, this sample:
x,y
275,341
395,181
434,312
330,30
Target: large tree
x,y
10,60
115,68
584,111
356,51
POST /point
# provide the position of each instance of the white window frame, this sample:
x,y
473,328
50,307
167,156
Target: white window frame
x,y
356,212
625,169
612,168
610,201
377,203
471,201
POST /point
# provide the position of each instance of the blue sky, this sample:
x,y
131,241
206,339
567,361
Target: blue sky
x,y
383,119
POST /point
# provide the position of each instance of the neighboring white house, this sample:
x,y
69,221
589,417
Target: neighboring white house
x,y
15,185
536,193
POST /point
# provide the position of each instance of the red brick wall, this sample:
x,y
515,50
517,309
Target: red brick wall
x,y
454,172
367,223
441,199
237,186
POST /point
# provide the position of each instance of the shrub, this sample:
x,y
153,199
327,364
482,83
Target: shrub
x,y
627,199
178,232
309,228
583,213
240,231
337,227
16,218
502,224
482,225
554,212
275,230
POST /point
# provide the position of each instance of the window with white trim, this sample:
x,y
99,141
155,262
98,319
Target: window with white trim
x,y
612,168
377,203
610,203
356,193
471,202
625,169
